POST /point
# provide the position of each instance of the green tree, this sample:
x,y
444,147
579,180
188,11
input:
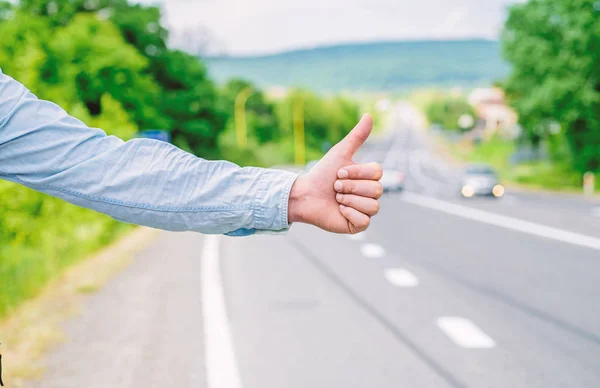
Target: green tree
x,y
169,90
326,120
554,49
188,99
446,110
262,122
80,65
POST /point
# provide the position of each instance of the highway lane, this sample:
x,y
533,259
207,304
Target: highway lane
x,y
410,149
424,298
313,309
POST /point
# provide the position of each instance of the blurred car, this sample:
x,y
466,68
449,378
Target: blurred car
x,y
156,134
392,180
480,180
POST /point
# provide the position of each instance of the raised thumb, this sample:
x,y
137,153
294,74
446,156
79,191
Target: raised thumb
x,y
352,142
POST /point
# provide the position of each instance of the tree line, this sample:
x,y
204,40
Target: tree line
x,y
553,47
107,62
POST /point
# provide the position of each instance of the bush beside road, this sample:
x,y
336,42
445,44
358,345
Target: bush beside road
x,y
108,64
543,175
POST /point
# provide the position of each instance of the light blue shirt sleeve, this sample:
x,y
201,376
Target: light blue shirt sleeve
x,y
142,181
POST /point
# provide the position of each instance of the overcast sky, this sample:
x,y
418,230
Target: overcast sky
x,y
242,27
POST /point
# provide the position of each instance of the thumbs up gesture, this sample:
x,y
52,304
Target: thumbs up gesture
x,y
337,194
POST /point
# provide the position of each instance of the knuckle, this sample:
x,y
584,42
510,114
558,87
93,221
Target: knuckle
x,y
364,224
378,171
376,208
378,190
353,187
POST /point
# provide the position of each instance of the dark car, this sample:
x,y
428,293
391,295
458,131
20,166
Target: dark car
x,y
481,180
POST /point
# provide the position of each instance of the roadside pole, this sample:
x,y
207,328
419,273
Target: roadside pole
x,y
589,183
299,144
241,130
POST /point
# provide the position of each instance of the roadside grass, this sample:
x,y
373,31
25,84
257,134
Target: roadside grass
x,y
495,152
532,175
41,236
35,326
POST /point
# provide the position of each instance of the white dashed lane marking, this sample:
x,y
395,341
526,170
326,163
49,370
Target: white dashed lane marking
x,y
465,333
372,251
401,277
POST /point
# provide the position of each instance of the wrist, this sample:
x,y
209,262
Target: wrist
x,y
298,195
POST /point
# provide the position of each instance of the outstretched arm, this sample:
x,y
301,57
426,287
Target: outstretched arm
x,y
141,181
153,183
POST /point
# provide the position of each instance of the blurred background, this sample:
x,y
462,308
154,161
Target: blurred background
x,y
480,270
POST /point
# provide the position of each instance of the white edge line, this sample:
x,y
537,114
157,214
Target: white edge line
x,y
221,365
503,221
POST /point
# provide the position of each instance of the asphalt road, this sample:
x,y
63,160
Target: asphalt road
x,y
439,292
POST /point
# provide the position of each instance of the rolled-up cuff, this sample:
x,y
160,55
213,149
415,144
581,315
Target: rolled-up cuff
x,y
270,205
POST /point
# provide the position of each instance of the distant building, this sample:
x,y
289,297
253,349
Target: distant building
x,y
493,113
486,96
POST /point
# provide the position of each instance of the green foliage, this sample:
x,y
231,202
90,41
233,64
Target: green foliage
x,y
188,100
553,176
262,121
394,66
548,175
326,121
495,151
107,63
445,110
554,47
40,236
75,55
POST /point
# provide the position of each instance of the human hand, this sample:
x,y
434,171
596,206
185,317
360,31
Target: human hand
x,y
338,195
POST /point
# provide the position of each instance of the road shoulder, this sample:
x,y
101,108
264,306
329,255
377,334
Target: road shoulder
x,y
35,327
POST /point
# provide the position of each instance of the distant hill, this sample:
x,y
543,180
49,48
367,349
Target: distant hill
x,y
389,66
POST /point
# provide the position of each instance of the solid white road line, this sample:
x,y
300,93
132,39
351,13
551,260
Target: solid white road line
x,y
357,237
465,333
401,277
221,364
372,251
503,221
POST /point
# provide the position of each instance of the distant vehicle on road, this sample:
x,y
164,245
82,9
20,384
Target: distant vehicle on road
x,y
156,134
392,179
480,180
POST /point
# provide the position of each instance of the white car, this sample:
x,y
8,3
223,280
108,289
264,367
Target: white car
x,y
480,180
392,180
